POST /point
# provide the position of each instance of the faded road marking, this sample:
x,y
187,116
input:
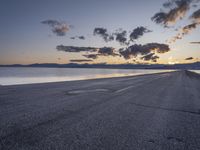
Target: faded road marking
x,y
87,91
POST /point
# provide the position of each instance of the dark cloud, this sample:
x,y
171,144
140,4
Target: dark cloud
x,y
138,49
184,31
194,42
92,56
150,57
189,58
160,18
194,5
107,51
138,32
102,32
177,10
121,36
81,60
79,37
51,23
59,28
196,16
75,49
104,51
73,38
168,4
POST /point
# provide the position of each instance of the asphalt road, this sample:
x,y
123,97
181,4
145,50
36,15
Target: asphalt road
x,y
148,112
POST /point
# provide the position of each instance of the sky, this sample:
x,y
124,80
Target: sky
x,y
94,31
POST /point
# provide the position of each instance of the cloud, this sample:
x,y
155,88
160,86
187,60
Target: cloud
x,y
81,60
184,31
150,57
92,56
102,32
196,16
177,10
160,18
168,4
75,49
58,28
107,51
103,51
73,38
121,36
138,49
189,58
138,32
51,23
194,42
79,37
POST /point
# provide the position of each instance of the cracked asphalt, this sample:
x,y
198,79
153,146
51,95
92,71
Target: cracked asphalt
x,y
146,112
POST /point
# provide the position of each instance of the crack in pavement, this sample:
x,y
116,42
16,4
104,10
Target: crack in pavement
x,y
167,109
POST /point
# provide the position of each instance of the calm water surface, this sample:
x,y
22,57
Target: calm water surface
x,y
27,75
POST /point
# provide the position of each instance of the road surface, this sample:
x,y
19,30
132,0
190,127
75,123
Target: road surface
x,y
147,112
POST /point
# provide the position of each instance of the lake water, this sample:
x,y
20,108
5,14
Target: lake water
x,y
27,75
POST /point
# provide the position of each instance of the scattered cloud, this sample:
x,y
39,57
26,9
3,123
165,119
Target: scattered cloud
x,y
73,38
75,49
143,50
196,16
78,37
102,32
150,57
107,51
51,23
81,60
138,32
184,31
177,10
81,37
121,36
57,27
103,51
92,56
160,18
189,58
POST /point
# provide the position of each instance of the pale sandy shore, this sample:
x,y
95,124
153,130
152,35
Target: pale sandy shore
x,y
147,112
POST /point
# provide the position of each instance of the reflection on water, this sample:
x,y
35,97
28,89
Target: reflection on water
x,y
26,75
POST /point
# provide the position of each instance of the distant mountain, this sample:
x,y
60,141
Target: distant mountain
x,y
190,66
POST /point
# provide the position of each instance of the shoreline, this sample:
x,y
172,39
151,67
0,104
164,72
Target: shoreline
x,y
87,79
